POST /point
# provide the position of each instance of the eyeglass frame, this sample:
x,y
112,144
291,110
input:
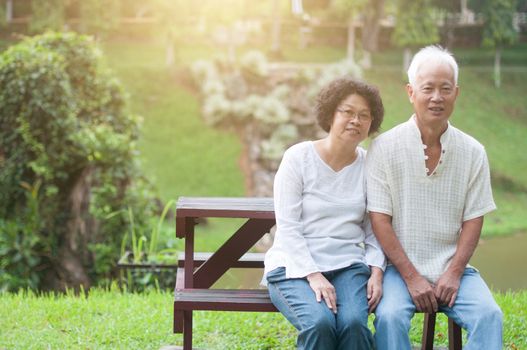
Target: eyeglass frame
x,y
356,115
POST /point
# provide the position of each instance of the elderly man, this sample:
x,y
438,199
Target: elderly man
x,y
428,190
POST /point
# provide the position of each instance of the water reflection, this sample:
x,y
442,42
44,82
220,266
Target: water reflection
x,y
501,262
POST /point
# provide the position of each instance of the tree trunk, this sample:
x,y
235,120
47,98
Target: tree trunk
x,y
370,31
73,254
8,11
170,57
351,38
497,67
407,56
276,29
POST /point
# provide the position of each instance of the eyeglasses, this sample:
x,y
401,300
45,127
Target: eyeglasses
x,y
350,114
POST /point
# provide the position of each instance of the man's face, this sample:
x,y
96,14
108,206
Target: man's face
x,y
433,94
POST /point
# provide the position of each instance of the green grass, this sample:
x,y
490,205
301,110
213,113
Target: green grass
x,y
115,320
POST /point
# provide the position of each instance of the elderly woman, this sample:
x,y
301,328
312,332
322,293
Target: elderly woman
x,y
324,270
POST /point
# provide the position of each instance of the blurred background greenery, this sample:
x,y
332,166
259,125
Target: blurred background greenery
x,y
150,47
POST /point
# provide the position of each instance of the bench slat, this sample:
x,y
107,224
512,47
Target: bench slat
x,y
256,208
248,260
223,299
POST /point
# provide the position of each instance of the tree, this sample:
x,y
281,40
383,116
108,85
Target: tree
x,y
415,27
350,9
68,159
498,30
370,30
46,15
99,16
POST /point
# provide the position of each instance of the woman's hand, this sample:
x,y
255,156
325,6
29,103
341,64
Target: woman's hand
x,y
323,290
374,288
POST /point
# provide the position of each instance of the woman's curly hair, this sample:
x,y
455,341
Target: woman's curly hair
x,y
330,97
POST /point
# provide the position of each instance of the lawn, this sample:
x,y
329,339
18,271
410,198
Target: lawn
x,y
116,320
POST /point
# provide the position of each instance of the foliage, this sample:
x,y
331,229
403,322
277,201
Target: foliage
x,y
110,319
65,126
415,24
24,248
99,16
344,9
498,29
247,92
46,15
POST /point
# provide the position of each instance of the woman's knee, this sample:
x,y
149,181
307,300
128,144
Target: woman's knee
x,y
320,323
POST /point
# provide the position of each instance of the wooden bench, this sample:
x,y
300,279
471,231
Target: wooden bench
x,y
197,272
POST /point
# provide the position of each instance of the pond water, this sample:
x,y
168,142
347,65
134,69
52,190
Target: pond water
x,y
501,261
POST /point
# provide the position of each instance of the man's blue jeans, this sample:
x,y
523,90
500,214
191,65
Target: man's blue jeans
x,y
474,310
319,328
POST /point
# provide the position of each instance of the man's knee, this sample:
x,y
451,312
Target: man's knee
x,y
393,317
491,314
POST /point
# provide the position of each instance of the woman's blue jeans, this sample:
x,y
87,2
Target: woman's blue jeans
x,y
474,309
319,328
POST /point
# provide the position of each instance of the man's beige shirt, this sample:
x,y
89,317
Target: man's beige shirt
x,y
428,210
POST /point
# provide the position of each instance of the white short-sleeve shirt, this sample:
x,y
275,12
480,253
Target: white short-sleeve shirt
x,y
321,217
428,210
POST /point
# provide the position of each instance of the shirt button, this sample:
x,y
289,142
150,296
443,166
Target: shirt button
x,y
427,170
426,157
443,151
425,146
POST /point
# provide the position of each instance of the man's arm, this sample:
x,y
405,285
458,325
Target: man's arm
x,y
420,289
448,284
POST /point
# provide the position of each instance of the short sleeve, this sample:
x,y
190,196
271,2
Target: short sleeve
x,y
379,197
479,200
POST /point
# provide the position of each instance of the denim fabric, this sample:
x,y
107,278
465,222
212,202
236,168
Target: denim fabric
x,y
474,310
319,328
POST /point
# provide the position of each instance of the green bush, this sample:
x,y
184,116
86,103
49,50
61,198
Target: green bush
x,y
65,126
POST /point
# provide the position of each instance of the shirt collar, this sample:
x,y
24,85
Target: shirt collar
x,y
445,136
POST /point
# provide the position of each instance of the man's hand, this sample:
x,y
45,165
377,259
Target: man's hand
x,y
374,288
323,290
422,294
447,287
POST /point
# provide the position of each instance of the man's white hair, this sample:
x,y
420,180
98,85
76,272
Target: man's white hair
x,y
433,54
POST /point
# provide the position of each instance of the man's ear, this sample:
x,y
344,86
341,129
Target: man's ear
x,y
410,92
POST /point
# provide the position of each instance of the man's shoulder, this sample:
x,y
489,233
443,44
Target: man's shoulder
x,y
466,141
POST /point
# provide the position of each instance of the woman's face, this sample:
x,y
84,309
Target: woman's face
x,y
352,119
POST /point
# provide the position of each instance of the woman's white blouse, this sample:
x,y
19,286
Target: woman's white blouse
x,y
321,217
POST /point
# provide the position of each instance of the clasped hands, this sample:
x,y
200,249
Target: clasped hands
x,y
427,297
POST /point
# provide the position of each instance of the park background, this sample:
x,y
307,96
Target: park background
x,y
171,69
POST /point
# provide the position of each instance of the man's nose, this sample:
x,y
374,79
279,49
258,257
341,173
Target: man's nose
x,y
436,95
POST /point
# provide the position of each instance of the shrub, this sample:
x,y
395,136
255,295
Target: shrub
x,y
65,126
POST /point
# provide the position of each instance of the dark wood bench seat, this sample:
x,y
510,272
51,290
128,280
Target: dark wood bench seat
x,y
224,300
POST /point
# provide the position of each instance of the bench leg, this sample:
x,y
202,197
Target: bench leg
x,y
178,321
187,330
429,324
454,336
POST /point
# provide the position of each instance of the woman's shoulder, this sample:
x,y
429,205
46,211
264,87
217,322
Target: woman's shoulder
x,y
299,149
